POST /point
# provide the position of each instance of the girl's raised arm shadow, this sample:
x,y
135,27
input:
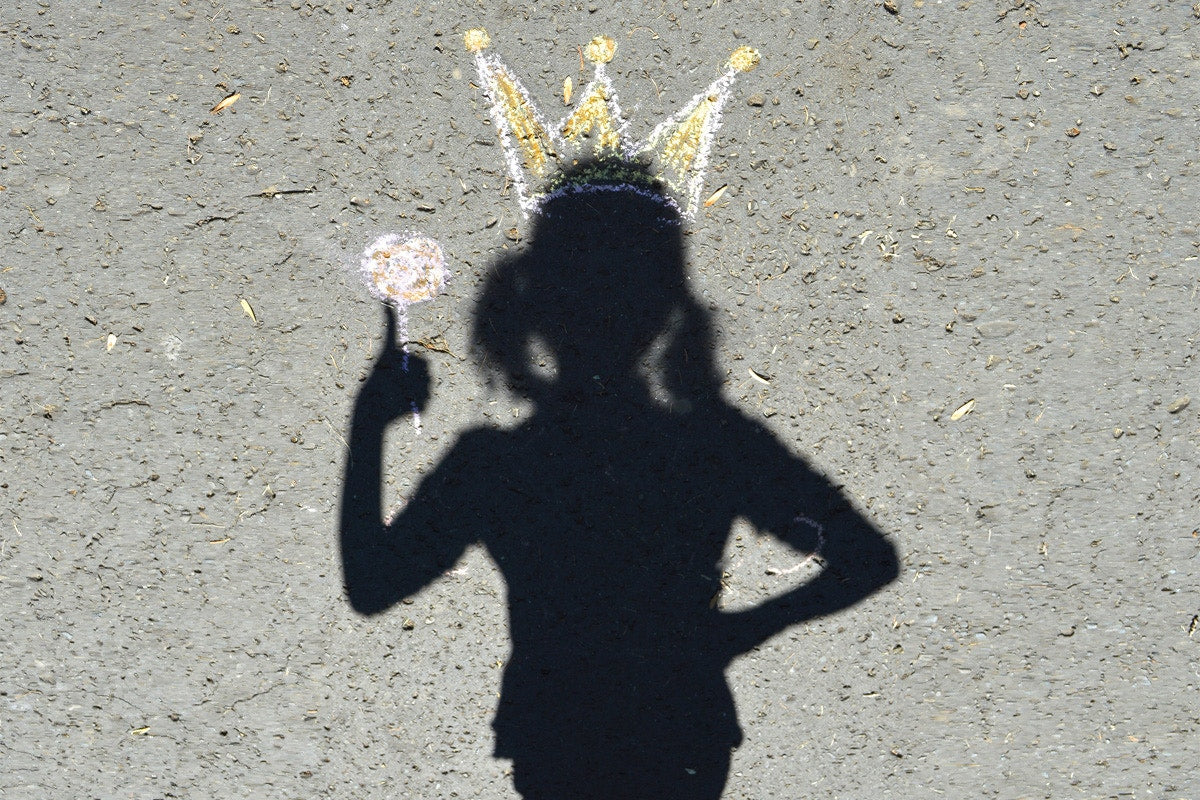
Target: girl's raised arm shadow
x,y
385,561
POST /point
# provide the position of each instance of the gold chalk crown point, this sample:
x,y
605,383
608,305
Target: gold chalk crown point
x,y
476,40
744,59
669,165
600,50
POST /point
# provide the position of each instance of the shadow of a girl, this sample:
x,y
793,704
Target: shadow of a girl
x,y
607,511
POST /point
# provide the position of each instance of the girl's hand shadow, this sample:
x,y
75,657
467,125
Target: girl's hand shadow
x,y
391,390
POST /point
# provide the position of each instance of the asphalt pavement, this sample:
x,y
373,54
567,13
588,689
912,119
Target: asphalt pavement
x,y
951,280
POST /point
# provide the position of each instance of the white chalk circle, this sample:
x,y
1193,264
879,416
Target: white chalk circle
x,y
404,268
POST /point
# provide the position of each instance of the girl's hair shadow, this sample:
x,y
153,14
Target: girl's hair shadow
x,y
607,511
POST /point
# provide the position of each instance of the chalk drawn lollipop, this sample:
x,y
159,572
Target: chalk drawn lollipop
x,y
401,269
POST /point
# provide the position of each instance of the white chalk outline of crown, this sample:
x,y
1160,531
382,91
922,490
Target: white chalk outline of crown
x,y
678,147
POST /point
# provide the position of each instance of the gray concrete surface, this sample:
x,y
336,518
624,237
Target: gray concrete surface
x,y
959,201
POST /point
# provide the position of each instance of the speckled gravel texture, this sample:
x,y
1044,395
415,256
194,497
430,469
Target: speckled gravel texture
x,y
950,203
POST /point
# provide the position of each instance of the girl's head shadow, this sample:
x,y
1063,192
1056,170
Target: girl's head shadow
x,y
598,294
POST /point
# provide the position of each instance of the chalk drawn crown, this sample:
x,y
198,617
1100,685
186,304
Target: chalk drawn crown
x,y
674,155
